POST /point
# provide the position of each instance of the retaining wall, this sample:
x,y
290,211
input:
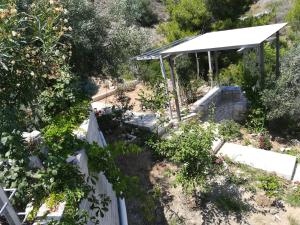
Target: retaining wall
x,y
90,131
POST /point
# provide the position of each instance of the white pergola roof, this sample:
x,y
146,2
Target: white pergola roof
x,y
224,40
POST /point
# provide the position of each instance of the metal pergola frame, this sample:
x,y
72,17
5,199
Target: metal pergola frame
x,y
213,42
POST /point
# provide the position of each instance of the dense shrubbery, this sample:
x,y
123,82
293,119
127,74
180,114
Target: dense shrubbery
x,y
190,147
35,49
199,16
294,15
230,130
283,99
38,90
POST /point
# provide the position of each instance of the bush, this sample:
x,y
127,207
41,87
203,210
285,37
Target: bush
x,y
256,120
283,98
231,9
35,50
230,130
89,35
156,101
264,142
293,198
191,148
271,184
294,15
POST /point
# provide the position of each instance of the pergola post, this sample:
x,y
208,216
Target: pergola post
x,y
163,71
171,64
216,65
198,67
277,55
261,64
210,71
177,81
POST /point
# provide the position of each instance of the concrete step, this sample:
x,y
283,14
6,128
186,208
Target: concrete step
x,y
282,164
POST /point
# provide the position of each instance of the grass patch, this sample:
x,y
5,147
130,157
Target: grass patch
x,y
293,198
294,152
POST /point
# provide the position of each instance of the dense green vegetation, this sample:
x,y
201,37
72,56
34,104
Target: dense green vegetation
x,y
190,146
49,50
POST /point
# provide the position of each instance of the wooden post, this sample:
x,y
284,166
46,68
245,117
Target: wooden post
x,y
210,72
171,64
177,83
198,67
163,71
262,65
277,55
216,65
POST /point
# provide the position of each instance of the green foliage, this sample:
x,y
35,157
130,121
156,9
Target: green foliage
x,y
282,99
293,16
230,130
147,16
89,34
293,198
104,159
155,101
191,148
187,17
232,75
34,53
134,12
199,16
294,152
228,9
271,184
264,142
256,121
188,81
149,71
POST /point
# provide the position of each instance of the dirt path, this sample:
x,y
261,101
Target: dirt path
x,y
170,205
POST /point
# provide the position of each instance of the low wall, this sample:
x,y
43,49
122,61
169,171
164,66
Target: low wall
x,y
226,102
90,131
126,87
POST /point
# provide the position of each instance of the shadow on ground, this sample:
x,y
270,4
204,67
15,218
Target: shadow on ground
x,y
146,209
225,203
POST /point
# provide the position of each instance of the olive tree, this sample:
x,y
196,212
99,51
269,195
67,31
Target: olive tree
x,y
283,99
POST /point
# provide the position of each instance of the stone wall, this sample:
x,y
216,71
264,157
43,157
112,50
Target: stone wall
x,y
226,103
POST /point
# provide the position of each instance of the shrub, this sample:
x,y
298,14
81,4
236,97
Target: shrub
x,y
156,101
282,99
35,50
256,120
271,184
293,198
89,34
294,152
294,15
264,142
230,130
191,148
